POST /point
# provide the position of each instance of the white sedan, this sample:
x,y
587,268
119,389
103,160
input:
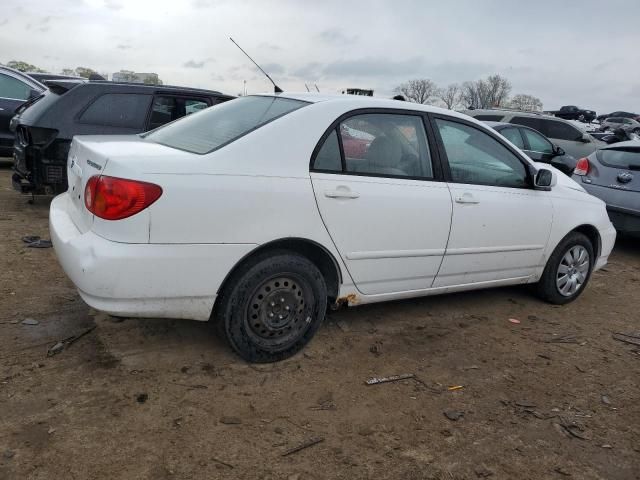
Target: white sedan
x,y
256,214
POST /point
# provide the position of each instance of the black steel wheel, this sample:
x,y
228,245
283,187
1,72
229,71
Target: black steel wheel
x,y
272,306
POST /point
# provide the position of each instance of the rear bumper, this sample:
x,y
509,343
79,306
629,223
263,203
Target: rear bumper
x,y
607,241
141,280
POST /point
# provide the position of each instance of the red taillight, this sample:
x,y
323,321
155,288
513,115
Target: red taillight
x,y
114,198
582,167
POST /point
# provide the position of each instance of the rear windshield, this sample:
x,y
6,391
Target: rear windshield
x,y
220,125
627,158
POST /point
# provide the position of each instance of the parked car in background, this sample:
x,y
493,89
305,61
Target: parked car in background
x,y
613,175
567,136
537,147
602,118
44,127
15,89
626,124
571,112
42,77
250,213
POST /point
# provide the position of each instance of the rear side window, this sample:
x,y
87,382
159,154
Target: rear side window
x,y
513,135
13,88
628,159
128,110
216,127
560,131
488,118
534,123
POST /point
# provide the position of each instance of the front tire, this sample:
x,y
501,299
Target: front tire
x,y
272,306
568,270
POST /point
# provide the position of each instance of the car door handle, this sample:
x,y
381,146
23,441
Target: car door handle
x,y
466,198
341,193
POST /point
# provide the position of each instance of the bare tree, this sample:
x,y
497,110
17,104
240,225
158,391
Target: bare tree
x,y
450,95
420,90
528,103
489,93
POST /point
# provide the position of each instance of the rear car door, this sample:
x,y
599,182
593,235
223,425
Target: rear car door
x,y
500,224
13,93
378,188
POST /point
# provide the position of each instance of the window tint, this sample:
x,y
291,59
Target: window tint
x,y
164,110
215,127
118,110
513,135
488,118
531,122
476,157
560,131
627,158
386,144
13,88
537,143
328,157
193,106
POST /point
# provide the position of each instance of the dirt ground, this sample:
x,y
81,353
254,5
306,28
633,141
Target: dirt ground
x,y
552,397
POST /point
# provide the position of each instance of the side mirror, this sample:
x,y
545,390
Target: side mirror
x,y
33,93
557,151
585,138
544,179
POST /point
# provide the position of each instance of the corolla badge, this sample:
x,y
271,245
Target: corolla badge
x,y
625,177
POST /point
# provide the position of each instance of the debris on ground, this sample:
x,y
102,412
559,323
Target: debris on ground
x,y
34,241
455,387
483,472
633,339
376,348
63,344
8,454
221,462
562,339
605,400
392,378
30,321
343,326
514,320
562,471
230,420
453,415
142,397
309,443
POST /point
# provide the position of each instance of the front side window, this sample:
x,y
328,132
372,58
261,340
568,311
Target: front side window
x,y
537,143
476,157
561,131
128,110
220,125
13,88
513,135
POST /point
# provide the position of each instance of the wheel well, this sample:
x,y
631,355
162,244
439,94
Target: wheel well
x,y
592,234
320,256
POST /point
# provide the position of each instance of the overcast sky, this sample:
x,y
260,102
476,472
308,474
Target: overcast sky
x,y
564,52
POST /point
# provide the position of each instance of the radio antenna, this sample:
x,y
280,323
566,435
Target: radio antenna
x,y
317,88
276,88
305,86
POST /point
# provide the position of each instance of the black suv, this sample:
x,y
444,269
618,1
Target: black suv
x,y
45,125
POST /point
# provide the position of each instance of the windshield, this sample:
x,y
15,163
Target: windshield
x,y
620,157
215,127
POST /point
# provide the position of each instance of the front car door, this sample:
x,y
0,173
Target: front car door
x,y
381,196
500,224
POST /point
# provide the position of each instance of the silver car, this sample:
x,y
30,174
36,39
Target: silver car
x,y
563,133
613,175
627,124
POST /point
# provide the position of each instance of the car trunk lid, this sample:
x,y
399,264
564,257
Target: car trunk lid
x,y
617,168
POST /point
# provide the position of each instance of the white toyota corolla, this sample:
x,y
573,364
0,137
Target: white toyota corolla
x,y
259,212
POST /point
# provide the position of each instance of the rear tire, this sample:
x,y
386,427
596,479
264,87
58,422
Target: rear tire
x,y
272,306
568,270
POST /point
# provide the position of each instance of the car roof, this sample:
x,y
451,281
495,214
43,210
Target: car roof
x,y
161,88
627,144
362,101
499,124
23,76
